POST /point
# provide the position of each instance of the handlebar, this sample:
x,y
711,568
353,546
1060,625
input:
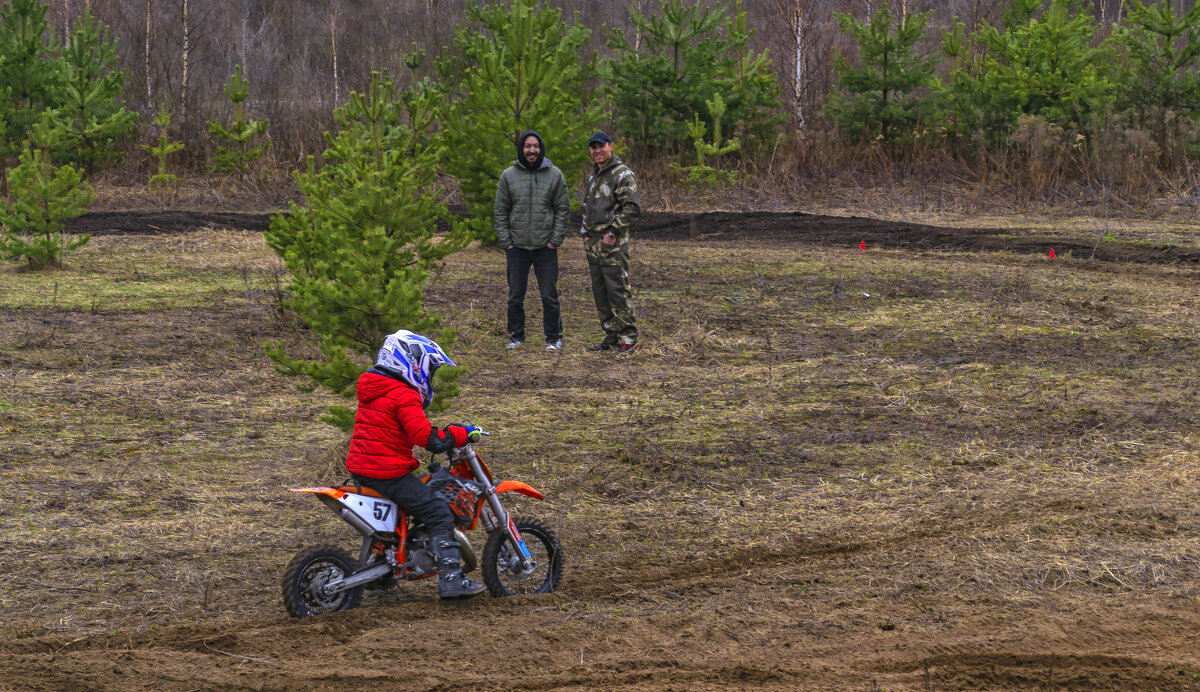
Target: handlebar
x,y
474,432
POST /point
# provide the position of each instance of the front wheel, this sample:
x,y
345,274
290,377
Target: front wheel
x,y
306,577
502,569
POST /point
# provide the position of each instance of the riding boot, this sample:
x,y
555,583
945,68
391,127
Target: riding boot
x,y
452,583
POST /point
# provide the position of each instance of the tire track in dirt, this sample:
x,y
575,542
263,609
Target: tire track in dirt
x,y
337,652
662,675
349,650
650,572
645,572
975,669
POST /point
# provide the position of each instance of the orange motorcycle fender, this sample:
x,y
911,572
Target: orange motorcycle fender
x,y
518,486
335,493
340,491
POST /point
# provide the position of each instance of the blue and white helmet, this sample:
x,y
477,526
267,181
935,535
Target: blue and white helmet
x,y
414,359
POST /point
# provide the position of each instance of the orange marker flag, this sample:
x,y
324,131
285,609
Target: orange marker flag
x,y
1052,253
862,245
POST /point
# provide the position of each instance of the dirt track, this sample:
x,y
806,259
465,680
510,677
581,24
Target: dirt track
x,y
742,621
820,609
793,227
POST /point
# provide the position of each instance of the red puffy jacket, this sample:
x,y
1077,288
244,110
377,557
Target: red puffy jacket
x,y
389,423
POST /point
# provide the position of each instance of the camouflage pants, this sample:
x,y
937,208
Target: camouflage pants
x,y
610,288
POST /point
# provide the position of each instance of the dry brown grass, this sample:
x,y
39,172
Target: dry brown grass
x,y
935,188
981,427
128,190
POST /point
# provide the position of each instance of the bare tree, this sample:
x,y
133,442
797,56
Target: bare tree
x,y
798,18
333,50
61,15
798,21
149,94
187,47
637,35
192,27
248,39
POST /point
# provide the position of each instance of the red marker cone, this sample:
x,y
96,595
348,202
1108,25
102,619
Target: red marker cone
x,y
1051,253
862,245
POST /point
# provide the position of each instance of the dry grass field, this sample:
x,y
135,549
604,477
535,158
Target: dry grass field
x,y
927,465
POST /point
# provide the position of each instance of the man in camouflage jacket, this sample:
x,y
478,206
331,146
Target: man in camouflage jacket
x,y
610,205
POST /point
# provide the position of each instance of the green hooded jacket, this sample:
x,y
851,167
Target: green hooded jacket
x,y
532,203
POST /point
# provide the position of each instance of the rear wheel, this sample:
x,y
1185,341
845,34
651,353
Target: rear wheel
x,y
503,571
306,577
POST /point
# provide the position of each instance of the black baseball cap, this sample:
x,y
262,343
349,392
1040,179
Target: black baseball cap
x,y
599,138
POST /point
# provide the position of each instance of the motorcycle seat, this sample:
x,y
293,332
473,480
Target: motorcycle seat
x,y
360,490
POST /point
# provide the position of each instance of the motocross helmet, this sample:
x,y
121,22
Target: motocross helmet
x,y
413,358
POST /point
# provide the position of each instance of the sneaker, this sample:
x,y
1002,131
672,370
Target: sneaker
x,y
625,348
554,345
604,346
514,343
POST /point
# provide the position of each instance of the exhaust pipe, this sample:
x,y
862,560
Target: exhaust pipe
x,y
469,559
354,520
347,515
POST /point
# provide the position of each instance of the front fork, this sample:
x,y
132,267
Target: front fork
x,y
499,516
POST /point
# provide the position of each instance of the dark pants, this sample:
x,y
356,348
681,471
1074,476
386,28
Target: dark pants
x,y
414,497
610,289
545,267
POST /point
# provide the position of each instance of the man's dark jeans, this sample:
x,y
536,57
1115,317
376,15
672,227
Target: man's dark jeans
x,y
545,267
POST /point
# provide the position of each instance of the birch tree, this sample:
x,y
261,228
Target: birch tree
x,y
187,54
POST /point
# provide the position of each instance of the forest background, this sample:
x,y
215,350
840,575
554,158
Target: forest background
x,y
1109,139
385,111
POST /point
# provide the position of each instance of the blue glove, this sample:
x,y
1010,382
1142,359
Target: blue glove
x,y
474,433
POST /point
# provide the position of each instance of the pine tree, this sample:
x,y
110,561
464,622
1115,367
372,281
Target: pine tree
x,y
701,172
164,149
1043,63
43,197
959,94
882,97
686,55
361,248
89,121
246,138
31,69
1163,90
751,94
519,69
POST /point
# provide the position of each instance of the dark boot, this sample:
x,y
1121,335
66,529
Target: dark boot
x,y
452,583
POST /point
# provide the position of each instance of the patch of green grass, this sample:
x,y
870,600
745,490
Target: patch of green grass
x,y
148,273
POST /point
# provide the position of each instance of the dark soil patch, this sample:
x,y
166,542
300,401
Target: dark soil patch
x,y
150,222
785,227
797,227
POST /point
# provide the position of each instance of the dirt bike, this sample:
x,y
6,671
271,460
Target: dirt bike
x,y
520,556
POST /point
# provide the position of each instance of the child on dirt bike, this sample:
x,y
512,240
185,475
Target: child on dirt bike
x,y
392,398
